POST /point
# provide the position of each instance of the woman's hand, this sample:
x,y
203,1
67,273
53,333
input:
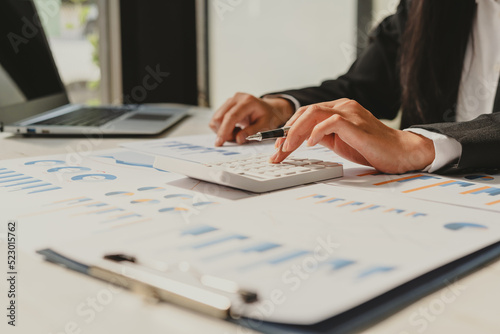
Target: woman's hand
x,y
352,132
244,115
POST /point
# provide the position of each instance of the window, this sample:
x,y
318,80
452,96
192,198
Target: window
x,y
72,30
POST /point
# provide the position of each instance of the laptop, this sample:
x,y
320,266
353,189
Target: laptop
x,y
33,99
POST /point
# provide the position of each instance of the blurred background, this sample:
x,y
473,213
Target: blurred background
x,y
210,48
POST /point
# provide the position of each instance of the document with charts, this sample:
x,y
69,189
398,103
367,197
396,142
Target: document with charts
x,y
69,196
477,190
312,252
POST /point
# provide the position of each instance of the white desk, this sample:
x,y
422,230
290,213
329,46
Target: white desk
x,y
53,300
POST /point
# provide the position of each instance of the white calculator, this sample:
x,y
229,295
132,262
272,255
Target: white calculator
x,y
254,173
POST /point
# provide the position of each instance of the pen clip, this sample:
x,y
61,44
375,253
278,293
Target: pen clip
x,y
210,281
151,283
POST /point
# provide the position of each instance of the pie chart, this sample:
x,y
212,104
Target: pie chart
x,y
68,170
145,201
94,177
120,193
45,163
151,189
461,226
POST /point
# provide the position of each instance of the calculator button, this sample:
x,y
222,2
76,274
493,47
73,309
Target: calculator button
x,y
328,164
296,163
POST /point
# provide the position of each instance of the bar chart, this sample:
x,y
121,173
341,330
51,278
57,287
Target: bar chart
x,y
359,206
15,182
477,190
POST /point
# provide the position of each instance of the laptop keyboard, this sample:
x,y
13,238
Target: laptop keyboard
x,y
86,117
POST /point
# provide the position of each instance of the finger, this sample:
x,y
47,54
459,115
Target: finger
x,y
338,146
218,115
279,142
296,115
304,125
329,104
349,133
237,114
279,155
302,129
260,125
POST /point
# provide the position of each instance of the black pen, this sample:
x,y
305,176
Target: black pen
x,y
273,134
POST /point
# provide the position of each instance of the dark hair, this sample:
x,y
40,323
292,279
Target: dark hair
x,y
432,55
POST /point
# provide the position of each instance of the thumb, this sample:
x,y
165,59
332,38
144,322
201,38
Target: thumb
x,y
250,130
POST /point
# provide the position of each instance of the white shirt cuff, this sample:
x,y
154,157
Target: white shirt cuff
x,y
287,97
447,149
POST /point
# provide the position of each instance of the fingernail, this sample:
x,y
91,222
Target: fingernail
x,y
310,142
241,138
219,141
273,157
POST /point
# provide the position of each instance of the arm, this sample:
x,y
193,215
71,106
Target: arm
x,y
480,140
351,131
373,80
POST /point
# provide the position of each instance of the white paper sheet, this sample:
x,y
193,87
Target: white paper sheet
x,y
67,197
310,252
476,190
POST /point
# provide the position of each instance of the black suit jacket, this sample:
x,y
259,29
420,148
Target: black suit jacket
x,y
373,81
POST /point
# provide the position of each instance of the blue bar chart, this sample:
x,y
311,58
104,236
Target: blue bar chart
x,y
358,206
15,182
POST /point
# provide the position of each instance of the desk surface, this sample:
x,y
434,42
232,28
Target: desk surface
x,y
55,300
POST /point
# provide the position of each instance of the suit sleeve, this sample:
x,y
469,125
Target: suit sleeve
x,y
480,140
373,79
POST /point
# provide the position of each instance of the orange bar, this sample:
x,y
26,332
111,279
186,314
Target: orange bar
x,y
345,204
426,187
307,196
411,213
389,210
474,190
492,203
396,180
326,200
369,173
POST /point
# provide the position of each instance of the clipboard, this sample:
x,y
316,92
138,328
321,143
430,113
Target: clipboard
x,y
355,319
381,307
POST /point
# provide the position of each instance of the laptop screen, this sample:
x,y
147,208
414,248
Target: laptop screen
x,y
29,80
